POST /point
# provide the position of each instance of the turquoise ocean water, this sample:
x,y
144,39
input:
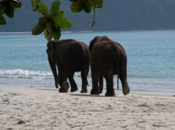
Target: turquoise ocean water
x,y
151,59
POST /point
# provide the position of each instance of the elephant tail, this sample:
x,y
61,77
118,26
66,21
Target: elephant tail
x,y
87,83
117,82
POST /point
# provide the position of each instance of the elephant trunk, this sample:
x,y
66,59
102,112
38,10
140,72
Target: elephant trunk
x,y
54,71
117,82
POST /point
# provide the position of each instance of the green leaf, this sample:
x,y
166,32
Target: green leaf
x,y
35,3
2,9
97,3
9,10
16,4
10,13
42,22
37,29
54,26
17,1
63,23
43,9
77,6
47,34
56,34
87,7
55,7
48,17
2,20
58,15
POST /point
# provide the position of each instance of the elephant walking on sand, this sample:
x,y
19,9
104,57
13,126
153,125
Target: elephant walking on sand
x,y
107,59
68,56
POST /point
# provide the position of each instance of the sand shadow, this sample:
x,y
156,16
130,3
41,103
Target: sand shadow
x,y
86,95
45,89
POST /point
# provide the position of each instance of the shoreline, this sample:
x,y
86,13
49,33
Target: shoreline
x,y
24,108
20,88
89,88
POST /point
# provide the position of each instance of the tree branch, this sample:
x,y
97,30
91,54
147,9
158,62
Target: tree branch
x,y
35,9
91,25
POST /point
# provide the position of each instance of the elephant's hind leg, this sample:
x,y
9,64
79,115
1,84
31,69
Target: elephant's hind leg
x,y
84,81
126,89
95,87
123,78
101,82
109,81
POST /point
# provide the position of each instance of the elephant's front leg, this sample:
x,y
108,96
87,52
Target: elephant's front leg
x,y
84,81
62,79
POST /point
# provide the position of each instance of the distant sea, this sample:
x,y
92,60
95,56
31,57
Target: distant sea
x,y
151,59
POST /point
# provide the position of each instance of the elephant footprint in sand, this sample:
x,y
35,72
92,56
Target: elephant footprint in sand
x,y
107,59
68,56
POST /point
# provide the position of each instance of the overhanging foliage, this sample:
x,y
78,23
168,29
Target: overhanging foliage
x,y
50,21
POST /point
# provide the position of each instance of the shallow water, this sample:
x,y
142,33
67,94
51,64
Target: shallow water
x,y
151,58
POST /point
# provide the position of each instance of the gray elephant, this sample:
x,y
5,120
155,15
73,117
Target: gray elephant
x,y
107,59
68,56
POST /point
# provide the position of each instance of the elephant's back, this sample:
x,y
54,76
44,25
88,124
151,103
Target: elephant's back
x,y
107,48
71,47
106,54
102,52
104,48
76,55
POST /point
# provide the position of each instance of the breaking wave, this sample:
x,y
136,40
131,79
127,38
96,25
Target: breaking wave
x,y
28,74
19,73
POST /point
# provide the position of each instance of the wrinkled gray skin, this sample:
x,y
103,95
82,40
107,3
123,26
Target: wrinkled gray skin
x,y
107,59
68,56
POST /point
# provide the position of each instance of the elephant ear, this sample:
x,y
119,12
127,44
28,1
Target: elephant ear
x,y
93,41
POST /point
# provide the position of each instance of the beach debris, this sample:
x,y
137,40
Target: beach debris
x,y
143,105
21,122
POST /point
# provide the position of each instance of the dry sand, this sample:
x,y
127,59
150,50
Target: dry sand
x,y
33,108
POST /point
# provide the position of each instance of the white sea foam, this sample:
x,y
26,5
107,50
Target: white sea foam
x,y
19,73
15,32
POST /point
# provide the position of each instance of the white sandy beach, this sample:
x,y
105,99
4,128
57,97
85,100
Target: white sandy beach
x,y
33,108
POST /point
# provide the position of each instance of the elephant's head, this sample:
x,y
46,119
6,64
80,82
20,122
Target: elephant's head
x,y
51,50
93,41
51,47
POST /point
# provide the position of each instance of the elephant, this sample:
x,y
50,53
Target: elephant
x,y
107,58
68,56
